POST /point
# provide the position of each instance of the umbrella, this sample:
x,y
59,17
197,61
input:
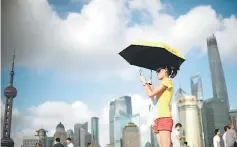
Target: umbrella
x,y
152,55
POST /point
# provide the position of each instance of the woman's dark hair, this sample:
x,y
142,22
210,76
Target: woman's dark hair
x,y
36,144
172,71
216,131
69,139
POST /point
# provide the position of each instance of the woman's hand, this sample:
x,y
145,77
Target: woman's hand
x,y
149,81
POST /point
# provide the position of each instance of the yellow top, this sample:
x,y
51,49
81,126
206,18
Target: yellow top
x,y
174,51
165,99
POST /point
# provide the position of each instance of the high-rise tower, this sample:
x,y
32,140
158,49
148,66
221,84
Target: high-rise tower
x,y
217,74
196,87
95,128
10,93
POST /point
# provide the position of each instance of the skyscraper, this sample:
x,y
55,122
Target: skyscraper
x,y
214,116
120,114
216,109
80,134
196,90
10,93
154,142
196,87
131,136
217,74
95,128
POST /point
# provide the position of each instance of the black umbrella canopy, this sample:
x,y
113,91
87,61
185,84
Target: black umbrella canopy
x,y
153,56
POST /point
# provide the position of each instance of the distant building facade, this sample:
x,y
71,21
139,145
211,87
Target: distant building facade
x,y
131,136
30,141
148,144
154,141
70,134
50,141
214,117
188,116
61,133
120,114
41,133
95,128
80,134
233,117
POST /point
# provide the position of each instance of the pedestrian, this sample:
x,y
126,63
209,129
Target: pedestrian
x,y
163,123
216,138
57,143
186,144
224,135
89,145
176,137
231,137
69,142
37,144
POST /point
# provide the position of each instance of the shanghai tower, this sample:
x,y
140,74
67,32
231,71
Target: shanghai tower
x,y
217,74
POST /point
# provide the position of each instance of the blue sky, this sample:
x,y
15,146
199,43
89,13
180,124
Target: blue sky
x,y
34,89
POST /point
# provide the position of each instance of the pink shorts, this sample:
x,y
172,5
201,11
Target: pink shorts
x,y
163,124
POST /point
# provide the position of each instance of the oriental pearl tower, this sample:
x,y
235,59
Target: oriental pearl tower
x,y
10,93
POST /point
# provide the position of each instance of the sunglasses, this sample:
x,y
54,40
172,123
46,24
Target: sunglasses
x,y
158,70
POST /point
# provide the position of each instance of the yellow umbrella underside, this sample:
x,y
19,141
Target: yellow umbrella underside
x,y
174,51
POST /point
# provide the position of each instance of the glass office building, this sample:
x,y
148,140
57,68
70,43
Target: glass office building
x,y
217,74
214,118
95,128
120,114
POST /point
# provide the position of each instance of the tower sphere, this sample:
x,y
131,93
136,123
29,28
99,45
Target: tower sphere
x,y
10,91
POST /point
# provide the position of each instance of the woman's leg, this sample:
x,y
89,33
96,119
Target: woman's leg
x,y
165,138
158,139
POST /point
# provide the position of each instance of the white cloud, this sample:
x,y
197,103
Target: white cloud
x,y
48,114
89,41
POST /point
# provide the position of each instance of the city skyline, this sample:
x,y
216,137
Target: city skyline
x,y
54,67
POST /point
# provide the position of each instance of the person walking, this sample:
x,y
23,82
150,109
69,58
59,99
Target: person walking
x,y
216,138
163,123
176,137
57,143
69,142
224,135
231,137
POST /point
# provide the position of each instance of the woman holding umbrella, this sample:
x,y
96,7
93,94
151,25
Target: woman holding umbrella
x,y
163,124
165,61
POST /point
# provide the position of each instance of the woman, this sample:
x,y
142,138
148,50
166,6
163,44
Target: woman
x,y
163,124
37,144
